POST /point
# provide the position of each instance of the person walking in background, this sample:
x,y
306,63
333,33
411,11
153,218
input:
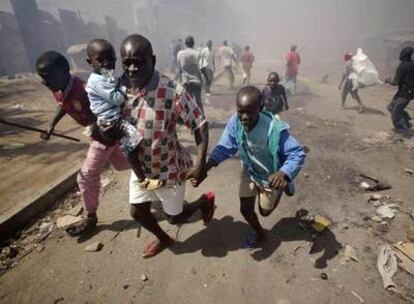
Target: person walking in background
x,y
404,79
188,68
207,65
292,67
247,60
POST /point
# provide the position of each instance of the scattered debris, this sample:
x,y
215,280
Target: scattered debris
x,y
126,286
39,247
105,182
75,211
405,262
410,233
58,300
97,246
376,218
373,184
306,175
320,223
45,229
295,250
324,276
387,211
406,248
361,300
9,252
387,265
13,146
144,277
374,197
349,254
68,221
409,171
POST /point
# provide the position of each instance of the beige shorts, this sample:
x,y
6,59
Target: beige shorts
x,y
171,197
267,198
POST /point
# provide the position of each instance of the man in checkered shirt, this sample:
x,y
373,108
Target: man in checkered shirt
x,y
156,104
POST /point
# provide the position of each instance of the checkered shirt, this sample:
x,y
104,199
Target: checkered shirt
x,y
155,111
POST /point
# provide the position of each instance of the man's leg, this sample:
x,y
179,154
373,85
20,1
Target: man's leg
x,y
355,95
344,94
172,200
399,118
142,213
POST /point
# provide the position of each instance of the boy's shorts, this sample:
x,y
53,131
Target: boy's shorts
x,y
171,197
249,189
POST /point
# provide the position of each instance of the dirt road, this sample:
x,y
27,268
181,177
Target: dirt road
x,y
209,264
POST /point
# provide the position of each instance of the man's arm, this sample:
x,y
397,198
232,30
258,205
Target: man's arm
x,y
59,113
292,157
397,78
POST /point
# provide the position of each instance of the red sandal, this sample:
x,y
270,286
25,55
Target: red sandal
x,y
208,212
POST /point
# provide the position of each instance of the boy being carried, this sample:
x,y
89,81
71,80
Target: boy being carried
x,y
106,96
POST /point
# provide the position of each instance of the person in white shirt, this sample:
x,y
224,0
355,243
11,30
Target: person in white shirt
x,y
227,58
187,61
207,65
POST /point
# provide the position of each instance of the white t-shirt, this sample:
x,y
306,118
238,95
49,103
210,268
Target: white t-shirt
x,y
187,60
226,54
207,59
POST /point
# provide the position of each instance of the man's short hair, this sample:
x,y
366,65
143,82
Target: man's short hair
x,y
52,59
189,41
140,42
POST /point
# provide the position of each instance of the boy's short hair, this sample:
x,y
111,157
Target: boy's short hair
x,y
273,73
251,91
52,59
189,41
91,47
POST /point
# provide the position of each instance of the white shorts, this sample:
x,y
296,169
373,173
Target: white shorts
x,y
171,197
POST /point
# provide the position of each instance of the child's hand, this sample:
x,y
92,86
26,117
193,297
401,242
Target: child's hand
x,y
278,180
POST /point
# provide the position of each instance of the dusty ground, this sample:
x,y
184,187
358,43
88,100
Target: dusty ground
x,y
34,165
209,265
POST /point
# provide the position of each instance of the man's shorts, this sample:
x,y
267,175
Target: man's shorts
x,y
171,197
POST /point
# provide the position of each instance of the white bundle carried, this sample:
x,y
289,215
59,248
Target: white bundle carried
x,y
364,72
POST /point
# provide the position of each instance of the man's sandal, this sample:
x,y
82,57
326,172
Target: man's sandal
x,y
208,211
155,246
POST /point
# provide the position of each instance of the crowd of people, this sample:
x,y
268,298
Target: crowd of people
x,y
133,118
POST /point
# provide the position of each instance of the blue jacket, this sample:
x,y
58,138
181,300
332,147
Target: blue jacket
x,y
290,153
